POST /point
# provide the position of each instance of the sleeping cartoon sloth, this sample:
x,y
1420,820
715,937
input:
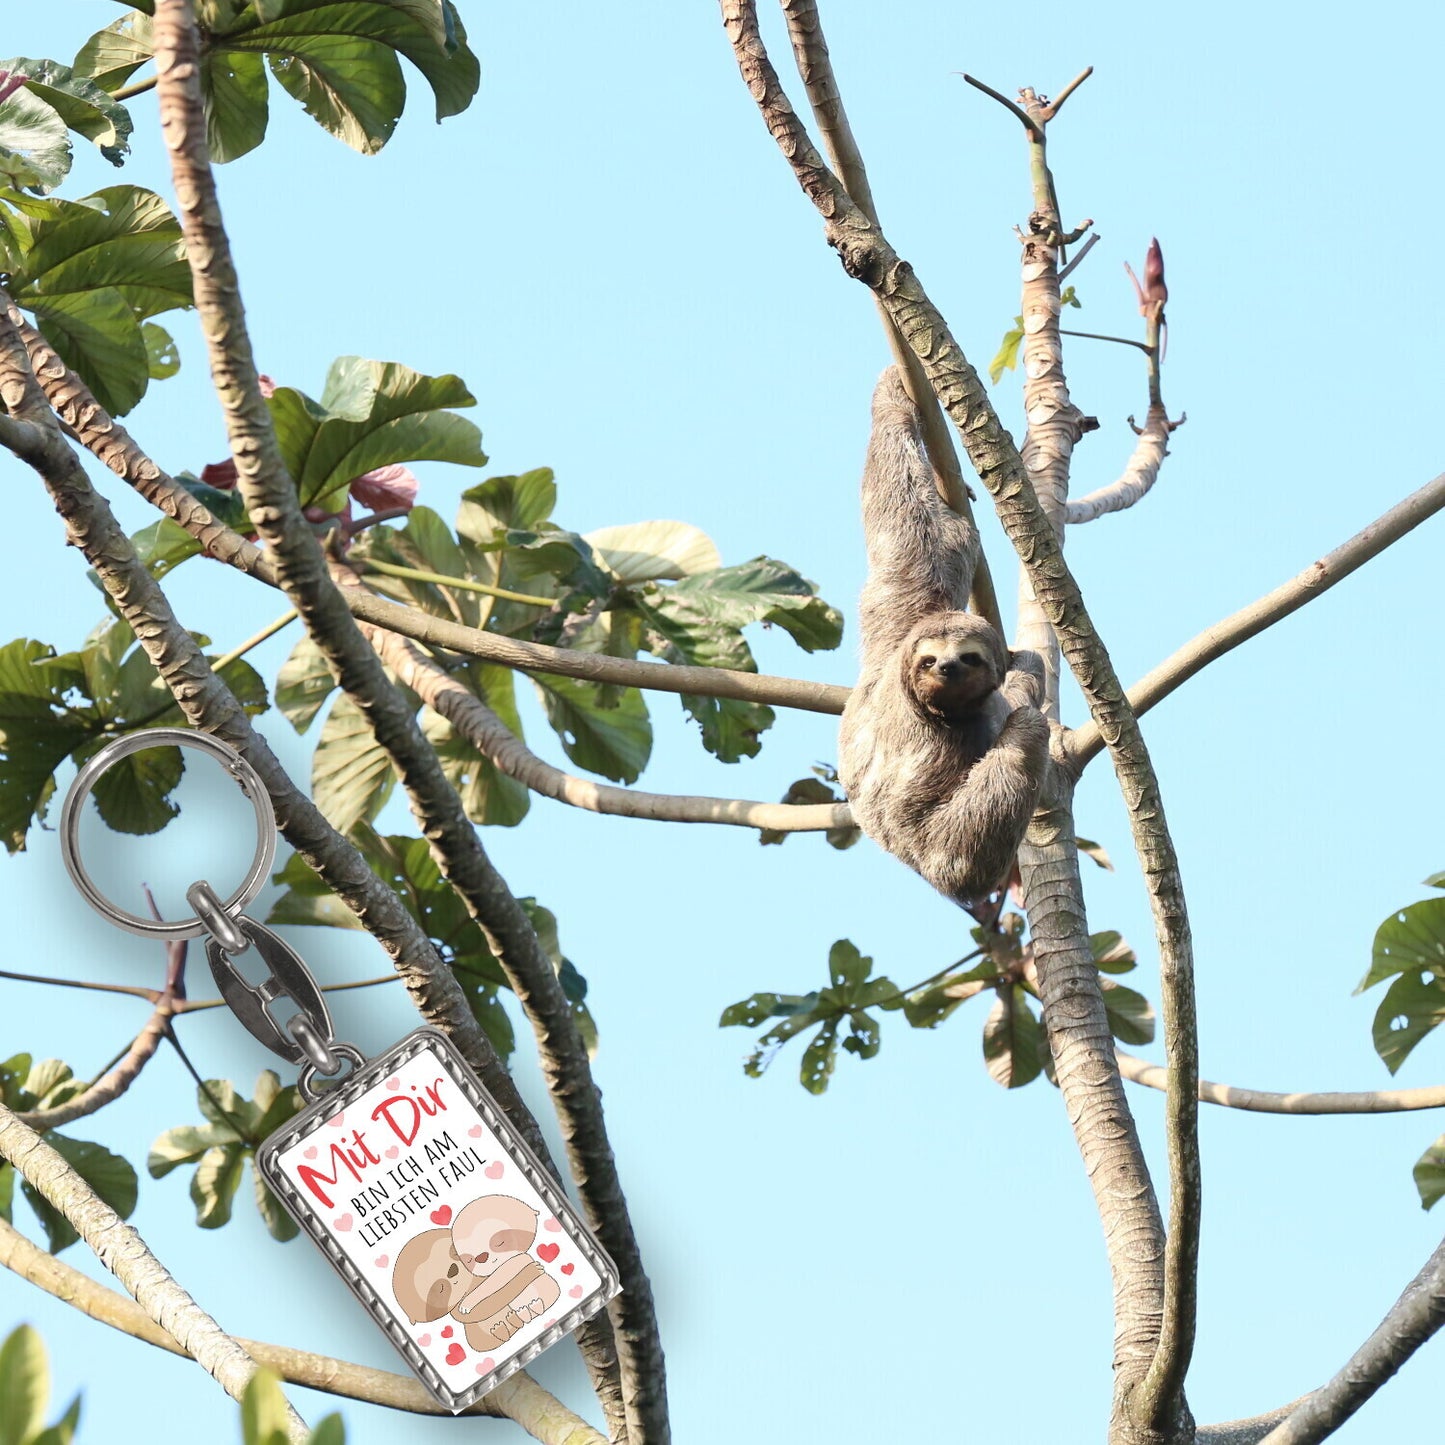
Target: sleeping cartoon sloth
x,y
479,1271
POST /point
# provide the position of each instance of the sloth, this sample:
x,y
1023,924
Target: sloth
x,y
943,750
429,1279
491,1237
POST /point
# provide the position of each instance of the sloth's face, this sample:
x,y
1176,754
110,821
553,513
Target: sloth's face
x,y
951,676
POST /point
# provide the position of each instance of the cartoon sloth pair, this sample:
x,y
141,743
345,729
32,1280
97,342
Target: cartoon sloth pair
x,y
479,1271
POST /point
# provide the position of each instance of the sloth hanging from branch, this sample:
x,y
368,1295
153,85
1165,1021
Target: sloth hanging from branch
x,y
943,749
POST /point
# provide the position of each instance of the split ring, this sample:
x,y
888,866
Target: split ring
x,y
246,778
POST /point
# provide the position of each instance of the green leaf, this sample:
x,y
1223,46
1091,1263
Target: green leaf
x,y
185,1145
864,1036
111,56
214,1184
1429,1176
751,1011
808,792
1096,851
1412,1006
34,143
762,590
371,414
818,1059
134,795
162,358
330,1430
615,741
24,1385
111,1176
847,968
82,104
163,546
1412,938
803,1014
351,88
1435,880
927,1007
63,1431
490,796
237,104
279,1223
351,774
1069,297
91,271
1007,355
264,1415
36,732
1012,1039
1131,1015
654,551
502,504
303,684
308,901
1111,953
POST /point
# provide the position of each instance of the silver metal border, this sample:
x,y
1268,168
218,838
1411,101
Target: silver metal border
x,y
314,1117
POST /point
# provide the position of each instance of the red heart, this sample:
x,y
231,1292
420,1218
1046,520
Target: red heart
x,y
447,1333
548,1252
568,1268
455,1355
442,1215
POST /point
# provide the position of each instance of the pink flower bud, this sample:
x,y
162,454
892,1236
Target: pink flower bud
x,y
1154,288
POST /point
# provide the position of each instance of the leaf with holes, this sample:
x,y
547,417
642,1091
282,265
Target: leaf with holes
x,y
84,106
1412,938
819,1057
1412,1007
615,740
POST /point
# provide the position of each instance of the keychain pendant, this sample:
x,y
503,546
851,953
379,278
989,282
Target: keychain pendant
x,y
442,1221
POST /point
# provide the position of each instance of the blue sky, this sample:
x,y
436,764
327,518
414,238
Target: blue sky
x,y
610,250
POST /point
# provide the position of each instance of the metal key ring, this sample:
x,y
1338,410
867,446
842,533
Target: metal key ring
x,y
244,774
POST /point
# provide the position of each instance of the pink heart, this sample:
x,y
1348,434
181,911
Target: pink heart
x,y
392,1152
485,1367
475,1132
551,1224
575,1291
345,1222
447,1333
393,1083
566,1268
442,1215
548,1252
423,1339
456,1354
311,1152
337,1121
382,1260
494,1171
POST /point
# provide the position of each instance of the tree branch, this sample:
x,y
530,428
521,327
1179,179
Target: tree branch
x,y
867,256
1085,742
495,741
815,66
519,1398
108,1089
124,1253
1413,1319
1260,1101
304,575
109,441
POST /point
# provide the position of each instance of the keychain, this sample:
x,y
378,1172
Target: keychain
x,y
406,1174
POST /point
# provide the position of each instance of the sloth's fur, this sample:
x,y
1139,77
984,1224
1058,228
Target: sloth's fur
x,y
943,750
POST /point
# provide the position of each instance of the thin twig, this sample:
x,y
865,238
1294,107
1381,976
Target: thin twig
x,y
1065,271
462,584
1095,336
1013,106
1085,742
1057,103
129,92
268,631
1260,1101
151,995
